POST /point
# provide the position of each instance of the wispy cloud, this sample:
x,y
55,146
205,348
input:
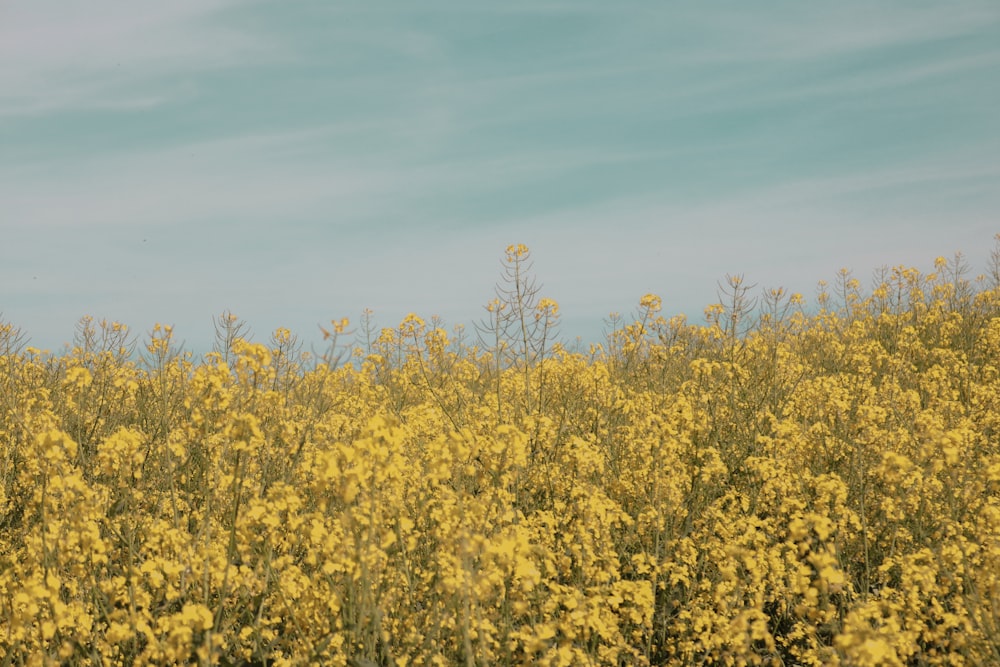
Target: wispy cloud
x,y
796,32
101,54
793,234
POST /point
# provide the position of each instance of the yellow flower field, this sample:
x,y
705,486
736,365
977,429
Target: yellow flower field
x,y
795,482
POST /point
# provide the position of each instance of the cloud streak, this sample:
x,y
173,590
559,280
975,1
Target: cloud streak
x,y
103,55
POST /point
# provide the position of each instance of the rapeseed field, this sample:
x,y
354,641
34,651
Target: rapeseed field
x,y
792,482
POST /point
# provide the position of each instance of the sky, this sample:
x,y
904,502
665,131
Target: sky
x,y
298,162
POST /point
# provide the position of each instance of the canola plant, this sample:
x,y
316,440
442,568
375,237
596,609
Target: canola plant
x,y
789,483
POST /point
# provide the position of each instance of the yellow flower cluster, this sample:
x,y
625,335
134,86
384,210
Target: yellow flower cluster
x,y
819,488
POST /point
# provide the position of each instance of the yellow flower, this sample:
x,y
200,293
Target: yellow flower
x,y
651,302
516,251
198,616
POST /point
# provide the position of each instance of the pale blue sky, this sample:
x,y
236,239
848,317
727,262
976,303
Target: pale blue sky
x,y
299,161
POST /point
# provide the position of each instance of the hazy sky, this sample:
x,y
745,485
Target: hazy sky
x,y
295,162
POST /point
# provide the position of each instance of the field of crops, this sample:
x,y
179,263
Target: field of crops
x,y
790,482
